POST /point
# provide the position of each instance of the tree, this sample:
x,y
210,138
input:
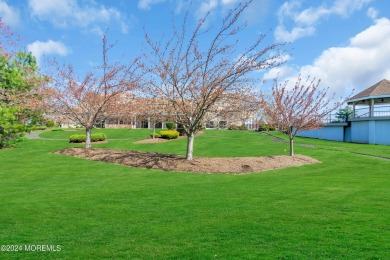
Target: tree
x,y
87,101
156,109
20,84
235,108
192,72
152,106
11,129
301,108
343,114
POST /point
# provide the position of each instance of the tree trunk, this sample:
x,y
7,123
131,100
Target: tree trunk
x,y
190,145
154,129
291,145
88,137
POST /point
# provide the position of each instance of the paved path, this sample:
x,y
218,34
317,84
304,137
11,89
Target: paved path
x,y
37,137
278,139
372,156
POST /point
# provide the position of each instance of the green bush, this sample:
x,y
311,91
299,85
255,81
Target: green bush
x,y
57,129
266,127
236,127
156,135
40,127
77,139
171,125
98,137
181,130
11,129
82,138
169,134
50,123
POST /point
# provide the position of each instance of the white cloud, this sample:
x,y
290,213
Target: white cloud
x,y
179,6
205,7
304,21
311,15
282,34
229,2
68,13
39,49
345,8
279,72
372,13
146,4
257,11
360,64
9,14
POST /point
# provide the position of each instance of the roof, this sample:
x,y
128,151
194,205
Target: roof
x,y
378,90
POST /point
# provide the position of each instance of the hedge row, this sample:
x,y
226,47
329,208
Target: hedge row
x,y
266,127
41,127
82,138
170,125
169,134
156,135
237,127
166,134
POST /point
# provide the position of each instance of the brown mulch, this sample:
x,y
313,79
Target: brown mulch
x,y
156,140
161,140
151,141
169,162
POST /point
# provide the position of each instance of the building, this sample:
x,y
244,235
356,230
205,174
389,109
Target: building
x,y
369,122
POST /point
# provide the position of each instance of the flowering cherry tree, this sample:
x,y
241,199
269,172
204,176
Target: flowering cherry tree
x,y
87,101
192,70
302,107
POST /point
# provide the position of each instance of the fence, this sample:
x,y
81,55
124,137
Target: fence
x,y
334,118
365,112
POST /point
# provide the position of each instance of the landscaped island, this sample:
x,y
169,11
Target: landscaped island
x,y
92,209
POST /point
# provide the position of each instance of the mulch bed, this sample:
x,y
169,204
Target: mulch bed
x,y
167,162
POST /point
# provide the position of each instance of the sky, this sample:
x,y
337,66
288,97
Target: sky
x,y
345,43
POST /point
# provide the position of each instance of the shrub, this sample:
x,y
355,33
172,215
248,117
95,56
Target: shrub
x,y
181,130
40,127
57,129
171,125
156,135
98,137
169,134
266,127
236,127
49,123
201,128
82,138
77,139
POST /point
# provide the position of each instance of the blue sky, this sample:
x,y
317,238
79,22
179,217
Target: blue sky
x,y
345,43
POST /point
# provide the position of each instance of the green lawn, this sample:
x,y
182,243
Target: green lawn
x,y
337,209
374,150
111,133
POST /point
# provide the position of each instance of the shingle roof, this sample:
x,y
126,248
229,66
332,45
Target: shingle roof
x,y
381,88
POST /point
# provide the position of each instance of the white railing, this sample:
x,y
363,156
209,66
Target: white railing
x,y
379,111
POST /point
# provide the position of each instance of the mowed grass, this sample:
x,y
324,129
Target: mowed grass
x,y
335,209
364,149
124,133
